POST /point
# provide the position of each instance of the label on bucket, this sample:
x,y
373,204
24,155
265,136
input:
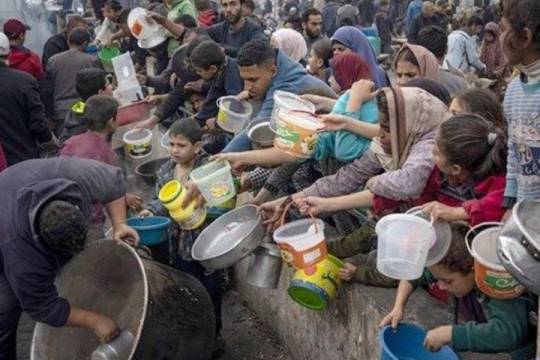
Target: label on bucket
x,y
303,259
222,118
294,139
220,190
136,28
501,281
139,150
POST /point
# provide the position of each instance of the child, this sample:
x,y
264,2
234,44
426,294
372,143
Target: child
x,y
319,59
521,45
491,325
207,15
91,81
186,154
478,101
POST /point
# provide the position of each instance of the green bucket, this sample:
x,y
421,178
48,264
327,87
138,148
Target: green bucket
x,y
106,55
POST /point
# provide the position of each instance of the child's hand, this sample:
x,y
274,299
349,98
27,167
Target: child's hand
x,y
235,159
134,202
105,328
210,124
393,318
243,96
313,205
245,183
193,193
437,338
195,86
145,213
443,212
271,211
347,272
335,122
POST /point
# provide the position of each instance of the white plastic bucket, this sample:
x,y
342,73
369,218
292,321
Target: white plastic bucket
x,y
403,245
143,27
297,132
215,182
233,114
288,101
138,142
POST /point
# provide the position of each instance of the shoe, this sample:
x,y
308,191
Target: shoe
x,y
219,348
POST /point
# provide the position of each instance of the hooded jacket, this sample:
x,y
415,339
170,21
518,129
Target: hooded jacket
x,y
29,267
181,7
24,59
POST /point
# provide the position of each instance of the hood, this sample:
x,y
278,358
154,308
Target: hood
x,y
493,28
19,54
289,71
38,194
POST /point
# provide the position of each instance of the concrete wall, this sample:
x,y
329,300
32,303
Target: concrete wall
x,y
348,329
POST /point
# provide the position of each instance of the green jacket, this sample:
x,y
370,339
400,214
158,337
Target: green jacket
x,y
182,7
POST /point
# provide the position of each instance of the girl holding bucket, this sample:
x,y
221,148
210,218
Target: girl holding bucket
x,y
491,325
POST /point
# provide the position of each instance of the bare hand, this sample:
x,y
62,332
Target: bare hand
x,y
195,86
364,89
313,205
134,202
347,272
147,124
243,96
272,211
143,79
193,193
321,102
235,159
443,212
160,19
437,338
125,233
145,213
335,122
393,318
245,183
105,328
153,100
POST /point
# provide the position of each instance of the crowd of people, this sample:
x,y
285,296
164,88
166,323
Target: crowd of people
x,y
441,111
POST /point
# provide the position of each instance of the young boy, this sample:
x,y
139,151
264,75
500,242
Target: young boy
x,y
186,154
521,46
491,325
91,81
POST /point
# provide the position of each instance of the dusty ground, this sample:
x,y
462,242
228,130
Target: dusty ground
x,y
245,336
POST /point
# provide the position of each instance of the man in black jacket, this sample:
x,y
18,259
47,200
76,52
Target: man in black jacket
x,y
428,17
59,43
23,122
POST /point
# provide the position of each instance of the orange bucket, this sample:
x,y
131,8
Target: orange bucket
x,y
490,275
297,132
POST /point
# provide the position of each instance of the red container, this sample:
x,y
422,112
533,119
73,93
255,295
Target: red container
x,y
133,112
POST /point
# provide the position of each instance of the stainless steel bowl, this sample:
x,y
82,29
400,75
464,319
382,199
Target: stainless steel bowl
x,y
229,238
260,132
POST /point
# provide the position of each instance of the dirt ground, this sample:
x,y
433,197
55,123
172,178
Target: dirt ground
x,y
245,336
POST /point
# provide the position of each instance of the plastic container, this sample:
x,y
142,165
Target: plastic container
x,y
131,113
315,286
233,114
302,242
128,92
148,33
215,182
407,343
172,196
297,132
152,229
124,70
403,245
288,101
106,55
165,141
138,142
490,275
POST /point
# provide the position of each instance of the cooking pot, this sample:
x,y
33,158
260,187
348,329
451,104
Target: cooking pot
x,y
265,267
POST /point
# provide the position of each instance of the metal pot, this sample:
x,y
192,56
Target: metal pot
x,y
518,244
260,133
265,267
229,239
148,170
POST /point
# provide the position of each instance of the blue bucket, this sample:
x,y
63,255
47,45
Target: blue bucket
x,y
152,229
407,343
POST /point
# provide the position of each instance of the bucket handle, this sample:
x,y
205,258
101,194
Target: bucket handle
x,y
289,202
469,237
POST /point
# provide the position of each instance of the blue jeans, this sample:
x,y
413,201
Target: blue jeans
x,y
10,313
241,142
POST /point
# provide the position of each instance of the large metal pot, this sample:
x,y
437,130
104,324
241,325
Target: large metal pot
x,y
169,313
265,267
518,245
230,238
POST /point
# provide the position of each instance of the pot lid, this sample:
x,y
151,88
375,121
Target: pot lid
x,y
443,237
526,214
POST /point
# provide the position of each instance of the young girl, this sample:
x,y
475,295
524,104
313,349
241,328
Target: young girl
x,y
492,53
489,325
482,102
319,59
414,61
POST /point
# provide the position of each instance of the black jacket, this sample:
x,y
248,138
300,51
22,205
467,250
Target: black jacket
x,y
23,122
54,45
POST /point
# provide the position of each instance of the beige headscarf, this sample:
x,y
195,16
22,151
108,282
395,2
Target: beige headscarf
x,y
427,62
291,42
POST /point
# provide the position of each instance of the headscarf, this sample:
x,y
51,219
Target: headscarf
x,y
412,113
354,39
432,87
427,62
349,68
492,53
291,42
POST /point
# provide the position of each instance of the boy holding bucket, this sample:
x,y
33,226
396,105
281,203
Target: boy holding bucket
x,y
491,325
186,153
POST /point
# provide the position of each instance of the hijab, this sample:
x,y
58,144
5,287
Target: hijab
x,y
354,39
349,68
291,42
492,53
427,62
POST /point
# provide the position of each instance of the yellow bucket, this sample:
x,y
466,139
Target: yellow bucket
x,y
194,219
172,195
315,286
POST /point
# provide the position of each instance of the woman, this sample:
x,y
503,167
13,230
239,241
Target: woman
x,y
291,42
351,39
414,61
492,53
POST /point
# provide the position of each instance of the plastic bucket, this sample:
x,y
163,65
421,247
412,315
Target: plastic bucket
x,y
297,132
131,113
106,55
315,286
233,114
172,196
490,275
138,142
302,242
403,245
407,343
215,182
152,229
288,101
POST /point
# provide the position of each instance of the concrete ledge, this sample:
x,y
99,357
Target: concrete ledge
x,y
348,329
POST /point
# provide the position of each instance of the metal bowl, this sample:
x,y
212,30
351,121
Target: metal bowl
x,y
229,238
148,170
261,133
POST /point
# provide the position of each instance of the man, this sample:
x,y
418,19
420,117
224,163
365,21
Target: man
x,y
442,9
413,11
58,43
312,26
45,204
426,18
235,30
248,11
62,70
329,15
20,57
462,50
23,122
435,40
